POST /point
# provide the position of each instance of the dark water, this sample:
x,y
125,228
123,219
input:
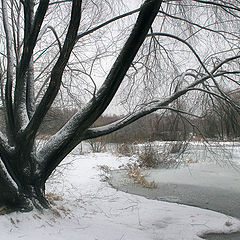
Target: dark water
x,y
232,236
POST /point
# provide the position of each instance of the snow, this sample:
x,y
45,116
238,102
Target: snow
x,y
90,209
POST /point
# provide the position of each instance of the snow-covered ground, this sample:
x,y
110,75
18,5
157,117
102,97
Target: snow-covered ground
x,y
89,209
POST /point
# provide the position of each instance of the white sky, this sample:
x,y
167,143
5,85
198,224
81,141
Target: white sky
x,y
133,3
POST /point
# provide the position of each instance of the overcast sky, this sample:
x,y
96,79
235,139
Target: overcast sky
x,y
133,3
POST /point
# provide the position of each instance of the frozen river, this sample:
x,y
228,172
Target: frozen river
x,y
211,183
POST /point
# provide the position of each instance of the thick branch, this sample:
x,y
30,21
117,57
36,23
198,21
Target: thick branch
x,y
10,73
30,96
7,180
29,93
30,38
152,107
57,72
16,28
70,135
6,157
4,146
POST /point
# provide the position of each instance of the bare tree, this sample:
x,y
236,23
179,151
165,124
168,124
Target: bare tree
x,y
33,29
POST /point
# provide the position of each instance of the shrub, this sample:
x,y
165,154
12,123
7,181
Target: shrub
x,y
178,147
134,172
97,145
148,157
125,149
152,157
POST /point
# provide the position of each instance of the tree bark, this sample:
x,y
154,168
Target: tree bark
x,y
21,187
23,200
9,194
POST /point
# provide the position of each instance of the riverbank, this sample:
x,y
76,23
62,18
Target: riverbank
x,y
207,186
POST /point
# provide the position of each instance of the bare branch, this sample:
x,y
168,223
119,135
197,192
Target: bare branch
x,y
196,55
154,106
54,33
32,30
60,1
57,38
57,71
106,23
10,75
28,95
207,28
32,37
70,135
224,6
16,29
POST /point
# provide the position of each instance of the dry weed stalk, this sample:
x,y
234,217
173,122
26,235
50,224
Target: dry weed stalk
x,y
134,172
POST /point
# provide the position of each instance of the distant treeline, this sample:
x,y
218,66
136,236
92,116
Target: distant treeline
x,y
218,123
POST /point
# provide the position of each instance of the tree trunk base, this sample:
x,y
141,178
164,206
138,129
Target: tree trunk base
x,y
24,200
24,204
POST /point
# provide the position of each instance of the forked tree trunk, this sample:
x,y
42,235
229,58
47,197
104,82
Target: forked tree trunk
x,y
23,172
